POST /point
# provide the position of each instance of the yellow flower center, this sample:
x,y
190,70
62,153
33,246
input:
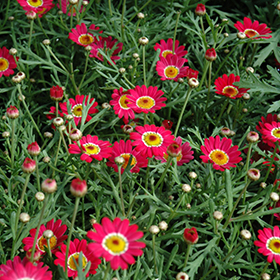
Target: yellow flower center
x,y
72,8
178,158
165,53
4,64
35,3
276,132
152,139
232,91
75,256
273,244
42,243
145,102
127,158
123,101
77,110
86,39
171,71
91,149
219,157
115,243
251,32
41,11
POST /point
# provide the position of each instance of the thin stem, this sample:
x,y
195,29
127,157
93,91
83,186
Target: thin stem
x,y
63,140
56,108
56,156
271,162
57,60
121,190
131,205
85,71
222,111
243,55
209,87
175,31
70,233
132,85
147,3
144,67
6,14
187,255
203,76
253,54
13,143
110,8
203,33
122,25
147,174
106,271
169,99
37,174
164,172
174,212
248,160
43,30
264,270
182,111
154,252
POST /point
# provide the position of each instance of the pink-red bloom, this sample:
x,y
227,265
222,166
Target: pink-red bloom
x,y
277,205
143,99
106,45
28,165
167,124
78,187
220,153
7,63
225,87
91,148
77,108
116,242
56,93
269,243
271,133
151,140
200,10
40,7
190,73
33,149
269,119
12,112
76,248
167,48
66,6
210,54
120,104
252,29
24,269
190,235
171,67
124,149
55,241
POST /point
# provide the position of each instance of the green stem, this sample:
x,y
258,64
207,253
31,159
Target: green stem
x,y
271,162
57,60
253,54
169,159
6,14
132,85
147,3
5,177
121,190
243,55
131,204
106,271
187,255
43,30
56,156
175,31
85,70
13,143
209,87
37,174
222,111
147,174
248,160
70,233
110,8
122,24
182,111
144,67
264,270
63,140
154,252
169,99
203,33
56,108
203,75
174,212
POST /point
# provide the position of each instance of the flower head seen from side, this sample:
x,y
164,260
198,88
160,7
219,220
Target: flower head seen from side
x,y
115,241
143,99
55,241
167,48
224,86
126,151
40,7
253,29
220,153
151,140
92,148
120,104
66,6
24,269
190,235
7,63
269,243
77,108
106,44
82,36
75,249
171,67
271,133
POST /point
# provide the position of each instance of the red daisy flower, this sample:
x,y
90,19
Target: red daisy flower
x,y
81,36
269,119
106,44
57,239
75,249
7,63
23,269
151,140
116,242
269,243
71,8
143,99
77,108
167,124
252,29
220,153
120,102
185,156
124,149
277,205
271,133
225,87
38,6
91,148
171,67
167,48
190,73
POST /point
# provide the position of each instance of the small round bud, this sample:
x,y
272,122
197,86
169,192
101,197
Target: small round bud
x,y
174,149
62,127
246,96
163,225
182,276
39,196
6,153
48,234
225,131
46,159
138,30
225,35
217,25
266,276
56,93
32,80
12,112
60,12
119,160
78,187
49,186
226,51
180,81
225,20
171,197
218,215
278,117
48,135
200,10
140,15
88,48
73,2
242,58
19,202
58,121
127,128
133,218
106,105
6,190
232,133
135,55
114,278
31,15
186,188
46,42
154,229
4,118
198,186
254,174
36,257
122,70
93,221
75,134
192,175
21,76
6,134
188,206
33,149
263,185
11,18
24,218
245,110
16,79
193,82
278,8
250,69
252,137
190,236
138,59
28,165
143,41
274,196
245,234
85,3
13,51
241,35
210,54
130,67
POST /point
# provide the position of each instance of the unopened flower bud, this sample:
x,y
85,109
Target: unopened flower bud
x,y
39,196
244,110
75,134
254,174
246,96
31,15
88,48
24,218
56,93
6,134
278,8
127,129
174,149
21,97
250,69
119,160
190,235
200,10
13,51
135,55
186,188
266,276
21,76
106,105
140,15
28,165
92,221
46,42
274,196
48,135
198,186
138,30
192,175
193,82
163,225
73,2
58,121
225,131
16,79
78,187
122,70
36,257
225,20
241,35
218,215
252,137
245,234
11,18
225,35
210,54
182,276
217,25
32,80
20,202
33,149
48,234
130,67
188,205
226,51
232,133
143,41
12,112
154,229
49,186
263,185
46,159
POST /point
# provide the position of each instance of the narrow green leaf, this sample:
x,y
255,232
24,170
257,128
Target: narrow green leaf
x,y
229,189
